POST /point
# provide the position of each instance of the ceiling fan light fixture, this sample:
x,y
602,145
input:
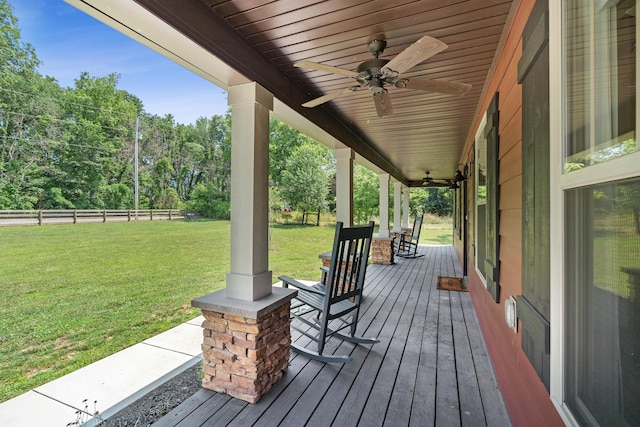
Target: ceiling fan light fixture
x,y
382,101
454,186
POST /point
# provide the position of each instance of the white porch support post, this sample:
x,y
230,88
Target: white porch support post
x,y
382,245
344,185
383,230
397,204
405,206
249,278
246,333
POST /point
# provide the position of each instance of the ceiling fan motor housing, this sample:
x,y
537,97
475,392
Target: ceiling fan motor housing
x,y
376,47
372,66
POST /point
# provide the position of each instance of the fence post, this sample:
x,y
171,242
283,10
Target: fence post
x,y
151,215
39,217
104,215
129,215
75,216
170,210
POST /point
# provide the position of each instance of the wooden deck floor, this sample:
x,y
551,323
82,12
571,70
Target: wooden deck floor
x,y
429,368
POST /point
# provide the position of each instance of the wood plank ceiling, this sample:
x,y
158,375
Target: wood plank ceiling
x,y
427,131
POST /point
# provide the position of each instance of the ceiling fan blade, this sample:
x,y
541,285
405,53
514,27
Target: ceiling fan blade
x,y
331,95
418,52
438,184
326,68
382,101
441,86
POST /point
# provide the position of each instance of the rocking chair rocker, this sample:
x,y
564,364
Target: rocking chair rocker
x,y
338,298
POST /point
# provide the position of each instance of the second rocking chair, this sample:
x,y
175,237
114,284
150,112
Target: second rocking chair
x,y
407,246
337,298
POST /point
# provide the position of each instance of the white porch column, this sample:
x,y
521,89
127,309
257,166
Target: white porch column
x,y
405,207
344,185
383,230
249,278
397,203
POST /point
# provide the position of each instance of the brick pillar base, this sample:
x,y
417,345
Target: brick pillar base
x,y
406,234
244,355
382,250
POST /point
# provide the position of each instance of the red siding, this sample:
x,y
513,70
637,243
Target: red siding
x,y
525,396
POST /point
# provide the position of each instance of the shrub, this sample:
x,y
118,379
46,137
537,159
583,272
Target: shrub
x,y
209,203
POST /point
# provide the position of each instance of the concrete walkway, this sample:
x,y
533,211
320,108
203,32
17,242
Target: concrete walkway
x,y
112,383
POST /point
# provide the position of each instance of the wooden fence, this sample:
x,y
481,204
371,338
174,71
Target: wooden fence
x,y
74,216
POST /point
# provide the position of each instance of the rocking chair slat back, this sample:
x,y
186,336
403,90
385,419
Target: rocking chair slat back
x,y
348,266
407,246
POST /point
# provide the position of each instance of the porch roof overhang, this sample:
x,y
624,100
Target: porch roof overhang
x,y
230,42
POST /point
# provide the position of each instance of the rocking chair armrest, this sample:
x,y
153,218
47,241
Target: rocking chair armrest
x,y
286,280
325,273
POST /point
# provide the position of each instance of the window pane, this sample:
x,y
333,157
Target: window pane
x,y
599,54
481,157
603,304
481,204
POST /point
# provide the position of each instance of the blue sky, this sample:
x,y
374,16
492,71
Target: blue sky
x,y
68,42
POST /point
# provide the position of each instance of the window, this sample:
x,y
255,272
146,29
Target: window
x,y
481,199
600,81
601,193
603,303
487,206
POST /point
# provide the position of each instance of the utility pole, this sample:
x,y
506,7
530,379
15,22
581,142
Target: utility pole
x,y
135,168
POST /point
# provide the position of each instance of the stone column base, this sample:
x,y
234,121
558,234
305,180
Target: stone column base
x,y
382,250
246,343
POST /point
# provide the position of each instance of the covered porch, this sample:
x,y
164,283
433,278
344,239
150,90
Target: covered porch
x,y
430,366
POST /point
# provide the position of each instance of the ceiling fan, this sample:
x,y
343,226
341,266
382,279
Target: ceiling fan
x,y
375,74
428,181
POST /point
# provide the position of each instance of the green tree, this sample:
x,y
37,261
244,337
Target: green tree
x,y
366,195
435,201
214,167
206,201
283,141
305,182
98,126
117,196
28,118
158,191
74,147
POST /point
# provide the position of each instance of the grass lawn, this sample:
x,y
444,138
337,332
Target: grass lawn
x,y
74,294
436,236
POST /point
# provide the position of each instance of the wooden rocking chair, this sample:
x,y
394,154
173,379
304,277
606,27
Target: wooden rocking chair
x,y
407,247
337,299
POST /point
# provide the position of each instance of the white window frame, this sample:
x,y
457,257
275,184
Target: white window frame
x,y
479,135
612,170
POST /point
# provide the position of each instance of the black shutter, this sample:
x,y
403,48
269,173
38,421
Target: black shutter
x,y
492,254
534,303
